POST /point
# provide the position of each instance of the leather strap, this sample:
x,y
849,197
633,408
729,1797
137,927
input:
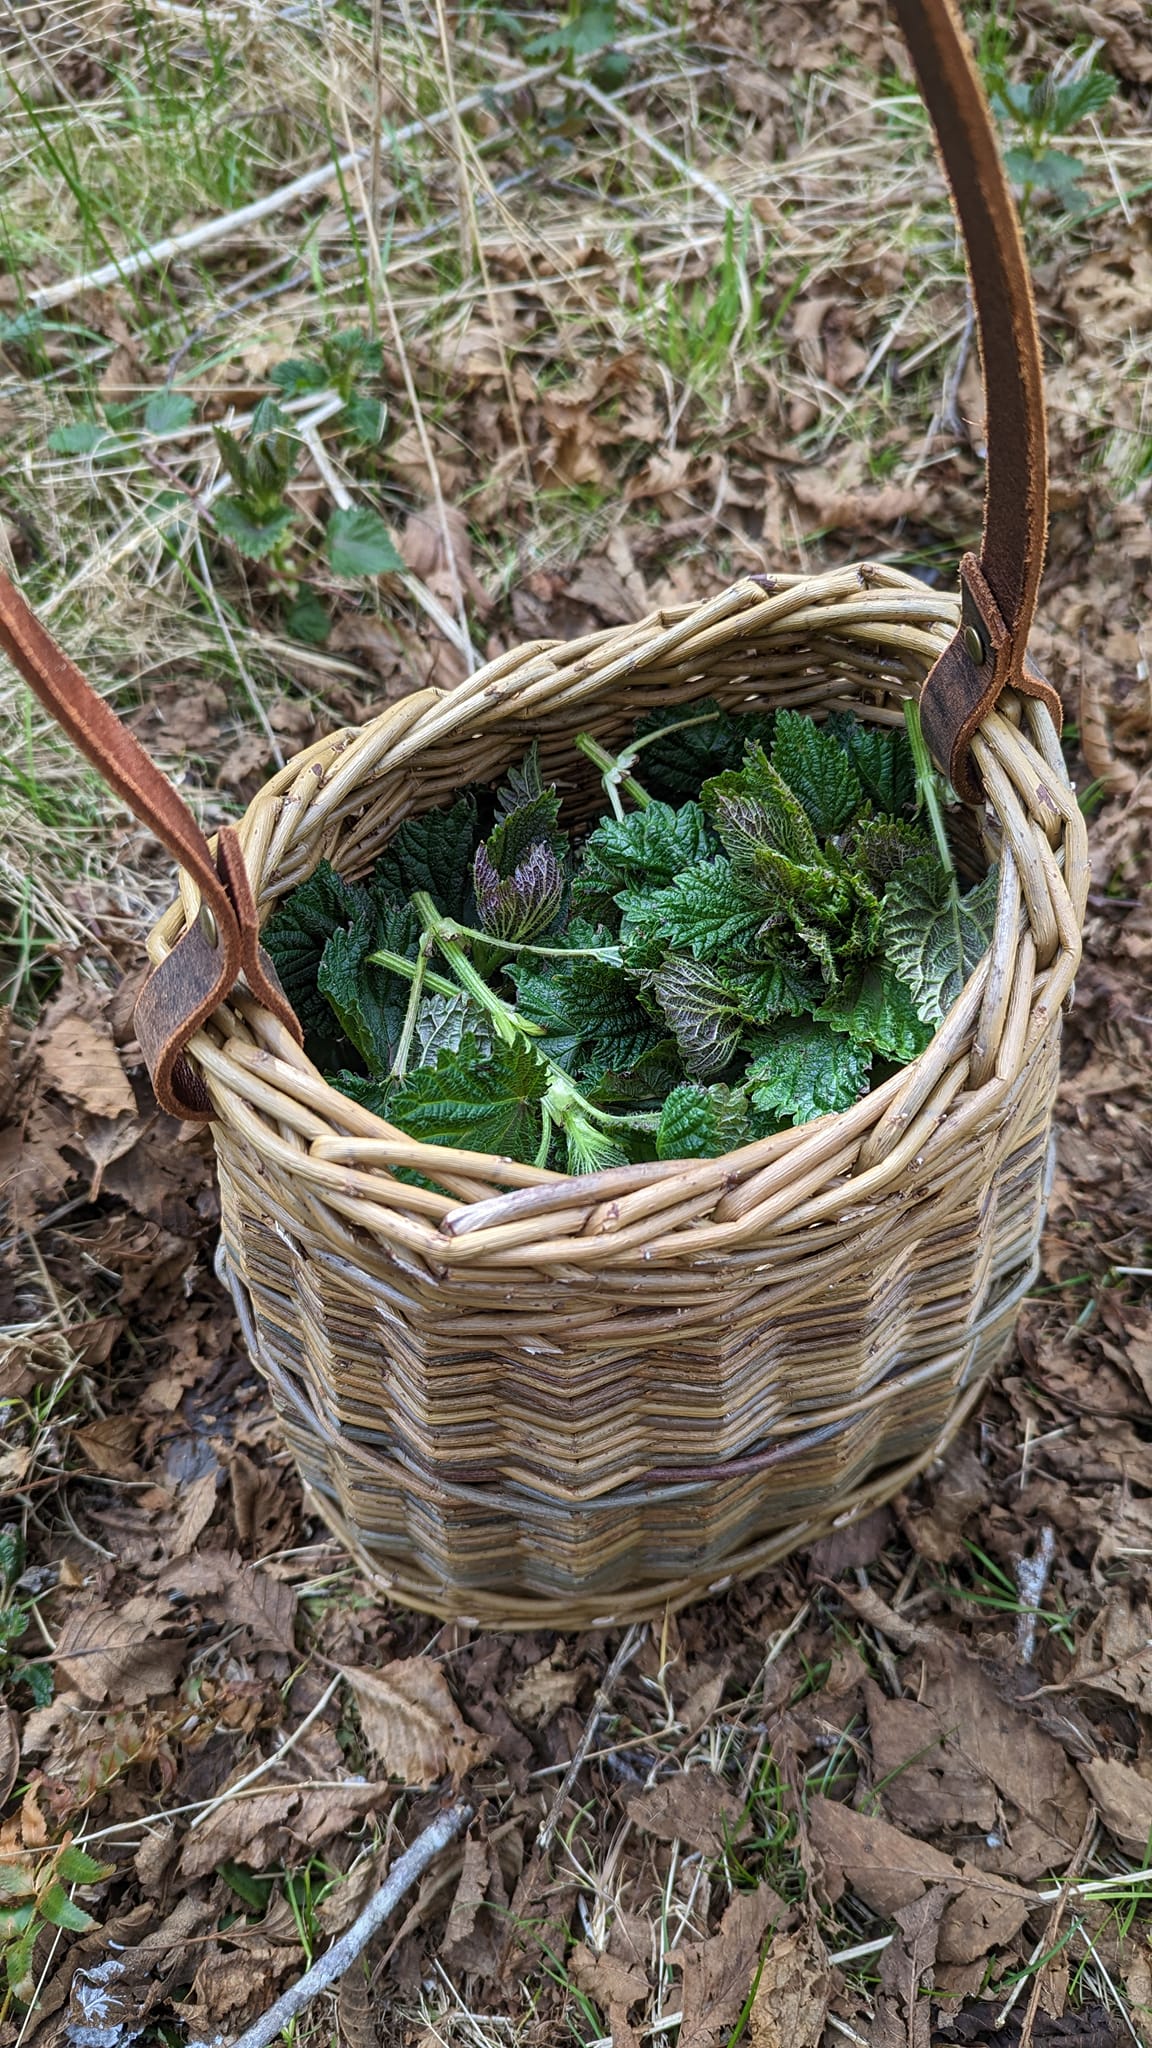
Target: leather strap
x,y
998,587
206,963
987,655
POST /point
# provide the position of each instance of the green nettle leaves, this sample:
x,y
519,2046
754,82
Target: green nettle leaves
x,y
934,937
804,1069
435,853
701,1123
479,1102
698,973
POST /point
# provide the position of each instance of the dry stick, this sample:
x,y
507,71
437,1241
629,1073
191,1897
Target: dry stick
x,y
343,1953
225,224
600,1704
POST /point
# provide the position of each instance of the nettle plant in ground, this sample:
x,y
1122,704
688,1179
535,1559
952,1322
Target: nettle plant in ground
x,y
775,924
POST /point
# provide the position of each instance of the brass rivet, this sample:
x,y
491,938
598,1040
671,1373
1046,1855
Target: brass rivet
x,y
974,644
208,924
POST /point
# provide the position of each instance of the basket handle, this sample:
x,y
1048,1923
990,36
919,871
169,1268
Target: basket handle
x,y
223,942
986,656
999,586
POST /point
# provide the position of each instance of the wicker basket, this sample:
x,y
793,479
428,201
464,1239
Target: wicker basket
x,y
555,1400
544,1399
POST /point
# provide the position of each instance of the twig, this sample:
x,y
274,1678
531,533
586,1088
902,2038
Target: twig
x,y
600,1704
343,1953
225,224
647,140
269,1762
1031,1578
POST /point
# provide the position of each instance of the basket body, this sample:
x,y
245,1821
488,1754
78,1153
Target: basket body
x,y
543,1400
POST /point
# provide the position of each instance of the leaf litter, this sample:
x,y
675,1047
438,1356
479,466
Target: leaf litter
x,y
852,1752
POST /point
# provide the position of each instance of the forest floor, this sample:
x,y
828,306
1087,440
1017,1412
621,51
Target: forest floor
x,y
550,377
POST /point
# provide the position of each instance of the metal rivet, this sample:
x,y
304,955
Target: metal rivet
x,y
974,644
207,923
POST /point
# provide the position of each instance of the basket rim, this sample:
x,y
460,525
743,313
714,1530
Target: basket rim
x,y
257,1075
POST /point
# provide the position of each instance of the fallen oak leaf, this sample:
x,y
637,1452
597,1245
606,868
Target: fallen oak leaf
x,y
718,1970
412,1724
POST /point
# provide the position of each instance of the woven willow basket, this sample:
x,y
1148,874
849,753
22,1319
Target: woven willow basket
x,y
538,1399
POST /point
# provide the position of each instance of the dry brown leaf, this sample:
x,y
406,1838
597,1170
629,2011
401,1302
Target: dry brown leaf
x,y
331,1814
718,1971
118,1652
83,1065
865,510
791,2002
471,1890
1115,1653
411,1722
108,1445
614,1986
692,1807
1124,1800
265,1606
9,1751
890,1870
926,1780
197,1505
902,2012
538,1692
1012,1753
252,1831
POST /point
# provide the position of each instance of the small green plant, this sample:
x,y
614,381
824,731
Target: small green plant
x,y
741,952
14,1621
344,362
33,1894
695,331
588,31
255,515
1045,109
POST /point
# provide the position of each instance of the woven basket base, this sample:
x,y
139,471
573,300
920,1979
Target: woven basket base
x,y
409,1588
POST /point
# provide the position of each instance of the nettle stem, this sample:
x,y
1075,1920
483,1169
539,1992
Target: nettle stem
x,y
415,997
927,783
452,930
614,772
442,932
582,1122
396,963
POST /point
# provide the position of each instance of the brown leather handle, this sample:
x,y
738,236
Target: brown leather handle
x,y
999,587
987,655
207,962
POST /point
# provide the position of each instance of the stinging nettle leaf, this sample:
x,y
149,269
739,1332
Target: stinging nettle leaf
x,y
434,852
933,936
479,1104
359,543
702,912
817,770
882,760
803,1069
649,848
524,904
875,1009
701,1123
168,412
254,538
703,1018
677,766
